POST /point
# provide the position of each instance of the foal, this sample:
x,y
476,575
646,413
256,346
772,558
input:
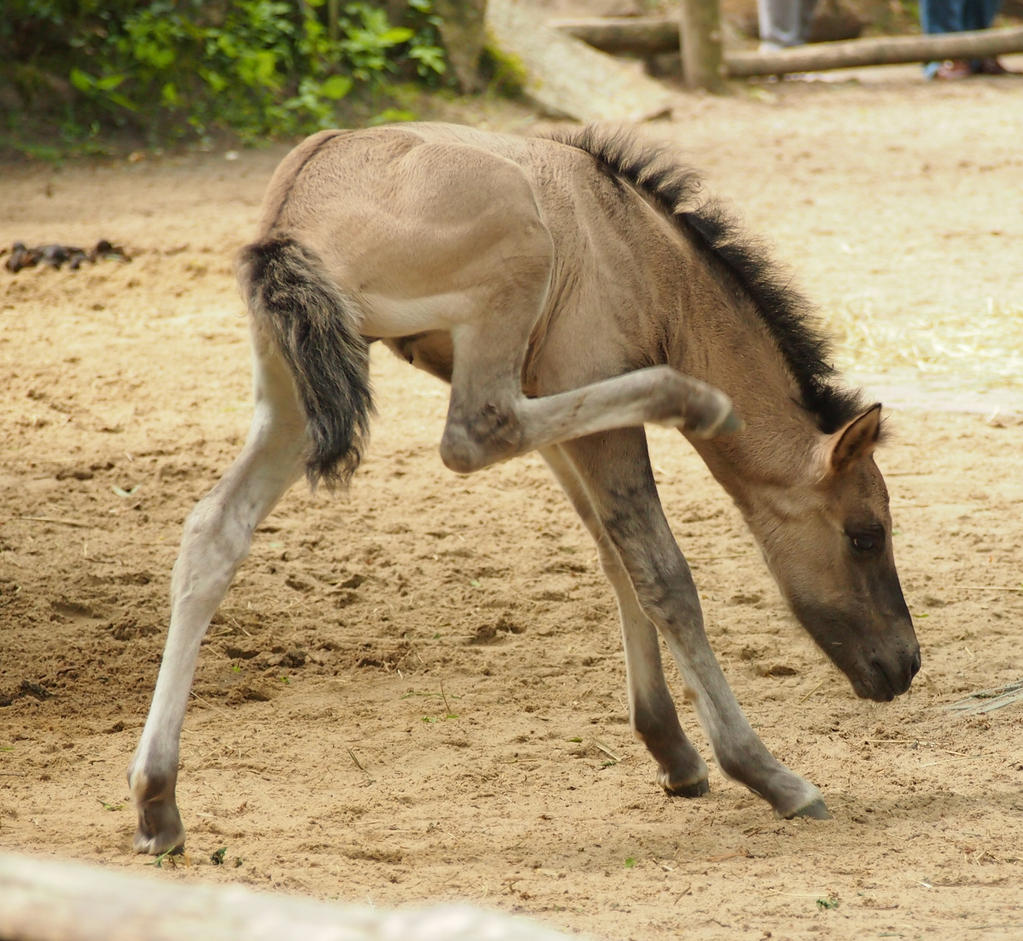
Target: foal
x,y
569,290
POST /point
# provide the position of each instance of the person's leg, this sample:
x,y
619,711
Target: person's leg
x,y
784,23
940,16
806,8
980,14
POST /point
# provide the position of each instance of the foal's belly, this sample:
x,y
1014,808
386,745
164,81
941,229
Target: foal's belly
x,y
387,315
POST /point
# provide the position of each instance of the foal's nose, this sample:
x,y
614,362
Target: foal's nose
x,y
911,668
897,671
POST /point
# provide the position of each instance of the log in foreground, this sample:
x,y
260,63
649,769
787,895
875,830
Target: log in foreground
x,y
49,900
655,35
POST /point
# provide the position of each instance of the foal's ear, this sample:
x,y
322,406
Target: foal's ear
x,y
855,441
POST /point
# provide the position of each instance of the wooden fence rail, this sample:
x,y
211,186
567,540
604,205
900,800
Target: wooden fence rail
x,y
655,35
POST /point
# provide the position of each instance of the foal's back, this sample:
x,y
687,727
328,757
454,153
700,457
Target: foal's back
x,y
420,219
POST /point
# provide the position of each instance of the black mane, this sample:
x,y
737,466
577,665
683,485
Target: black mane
x,y
786,313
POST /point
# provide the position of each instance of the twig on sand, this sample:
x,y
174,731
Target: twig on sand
x,y
991,587
607,751
358,764
916,743
812,691
205,702
60,521
987,700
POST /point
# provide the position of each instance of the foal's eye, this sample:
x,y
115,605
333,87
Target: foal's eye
x,y
866,541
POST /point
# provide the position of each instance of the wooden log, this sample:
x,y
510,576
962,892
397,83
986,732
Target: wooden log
x,y
656,35
700,42
463,33
566,77
880,50
50,900
638,35
659,35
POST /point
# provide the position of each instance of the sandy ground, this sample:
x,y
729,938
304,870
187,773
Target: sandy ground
x,y
416,693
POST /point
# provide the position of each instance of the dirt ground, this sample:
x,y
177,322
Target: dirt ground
x,y
416,693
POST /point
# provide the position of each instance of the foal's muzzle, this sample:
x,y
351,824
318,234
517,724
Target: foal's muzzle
x,y
884,678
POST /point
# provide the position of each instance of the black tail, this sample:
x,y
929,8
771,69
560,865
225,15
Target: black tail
x,y
315,327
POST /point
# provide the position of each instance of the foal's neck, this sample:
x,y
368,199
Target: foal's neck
x,y
726,343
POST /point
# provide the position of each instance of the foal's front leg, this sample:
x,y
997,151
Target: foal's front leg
x,y
489,419
616,473
501,272
651,709
217,537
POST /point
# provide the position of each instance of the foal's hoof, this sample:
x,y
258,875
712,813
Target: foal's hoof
x,y
815,810
696,788
721,419
160,830
732,424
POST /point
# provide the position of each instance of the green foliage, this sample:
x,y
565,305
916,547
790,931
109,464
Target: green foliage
x,y
184,68
504,72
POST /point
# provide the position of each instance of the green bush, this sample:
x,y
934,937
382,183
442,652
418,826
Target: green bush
x,y
185,68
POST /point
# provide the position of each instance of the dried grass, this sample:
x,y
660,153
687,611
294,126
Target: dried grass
x,y
982,348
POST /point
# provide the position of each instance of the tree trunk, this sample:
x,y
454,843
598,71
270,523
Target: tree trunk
x,y
464,35
700,41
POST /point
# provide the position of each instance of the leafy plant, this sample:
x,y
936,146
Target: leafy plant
x,y
168,856
186,68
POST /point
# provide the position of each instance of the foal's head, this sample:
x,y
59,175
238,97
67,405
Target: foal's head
x,y
827,537
803,470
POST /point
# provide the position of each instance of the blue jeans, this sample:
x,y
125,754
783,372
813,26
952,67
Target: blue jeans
x,y
955,16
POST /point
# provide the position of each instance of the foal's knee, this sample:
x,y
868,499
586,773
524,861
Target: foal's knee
x,y
492,434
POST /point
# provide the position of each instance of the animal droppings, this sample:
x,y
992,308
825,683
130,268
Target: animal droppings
x,y
56,256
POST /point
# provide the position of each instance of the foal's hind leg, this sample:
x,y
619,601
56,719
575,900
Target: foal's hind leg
x,y
216,539
619,481
651,709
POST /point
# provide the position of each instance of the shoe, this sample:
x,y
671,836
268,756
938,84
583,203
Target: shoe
x,y
990,66
952,69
